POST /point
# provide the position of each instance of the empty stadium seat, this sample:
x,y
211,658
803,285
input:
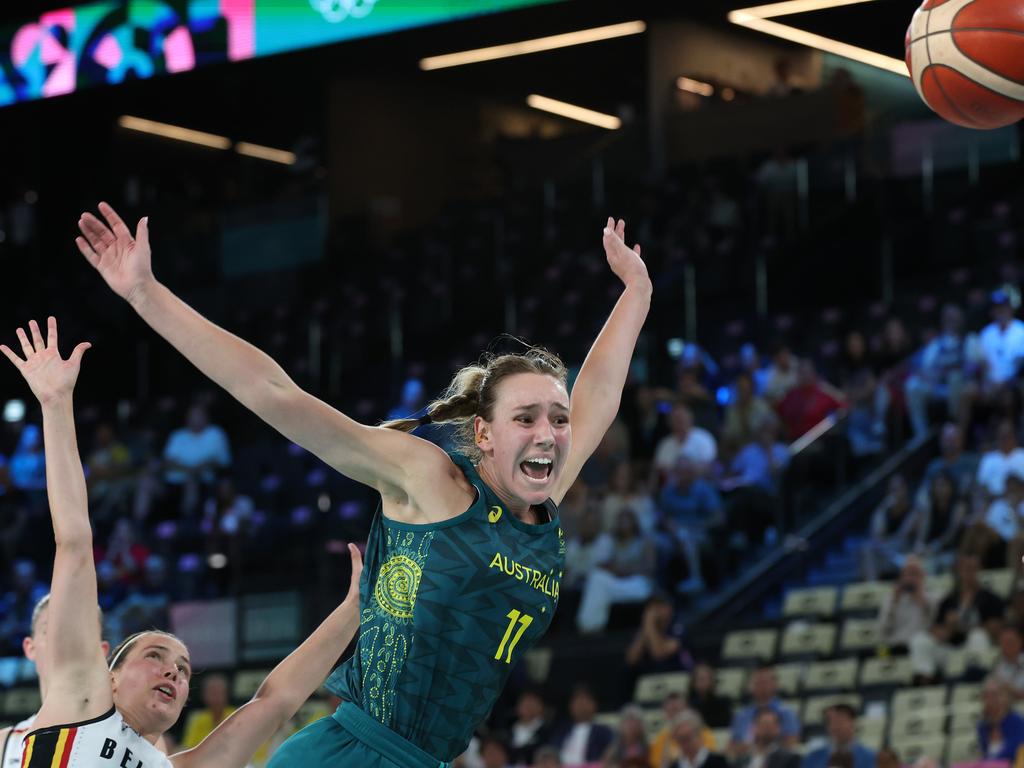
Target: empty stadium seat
x,y
610,719
964,717
808,639
917,723
860,635
962,748
965,693
652,689
940,585
893,671
729,682
871,731
815,706
812,601
654,721
999,581
928,697
247,682
864,596
831,675
789,677
911,750
750,644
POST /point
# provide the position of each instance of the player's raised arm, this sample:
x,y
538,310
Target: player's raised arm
x,y
595,397
286,688
78,684
381,458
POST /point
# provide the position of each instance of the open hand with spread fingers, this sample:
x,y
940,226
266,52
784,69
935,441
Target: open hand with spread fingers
x,y
122,260
49,377
624,261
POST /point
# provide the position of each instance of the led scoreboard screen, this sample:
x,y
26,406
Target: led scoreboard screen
x,y
106,43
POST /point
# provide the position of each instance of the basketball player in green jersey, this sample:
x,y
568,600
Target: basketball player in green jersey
x,y
464,560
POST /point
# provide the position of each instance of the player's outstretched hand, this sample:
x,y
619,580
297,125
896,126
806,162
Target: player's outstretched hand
x,y
48,376
624,261
122,260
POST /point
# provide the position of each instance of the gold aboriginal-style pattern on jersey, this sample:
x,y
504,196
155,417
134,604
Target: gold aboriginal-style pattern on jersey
x,y
384,647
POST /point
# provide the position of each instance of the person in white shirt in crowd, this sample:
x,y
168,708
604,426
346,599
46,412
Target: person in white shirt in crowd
x,y
530,730
193,456
1009,666
627,491
908,609
998,534
946,364
1000,352
627,576
586,550
582,741
782,375
685,441
996,463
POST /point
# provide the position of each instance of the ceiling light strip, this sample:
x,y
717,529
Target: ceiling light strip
x,y
797,6
574,112
746,19
565,40
265,153
175,132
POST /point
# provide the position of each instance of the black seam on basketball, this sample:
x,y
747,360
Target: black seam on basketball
x,y
967,29
968,56
938,84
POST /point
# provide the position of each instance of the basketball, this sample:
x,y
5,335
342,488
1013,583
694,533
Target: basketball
x,y
966,58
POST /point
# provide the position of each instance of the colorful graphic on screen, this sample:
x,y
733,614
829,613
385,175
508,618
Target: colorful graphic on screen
x,y
106,43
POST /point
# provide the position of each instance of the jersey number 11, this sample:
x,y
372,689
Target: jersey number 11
x,y
514,617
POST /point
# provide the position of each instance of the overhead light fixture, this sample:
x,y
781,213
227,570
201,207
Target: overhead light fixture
x,y
694,86
265,153
175,132
574,112
533,46
758,18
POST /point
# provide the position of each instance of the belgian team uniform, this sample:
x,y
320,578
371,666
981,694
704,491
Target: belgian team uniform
x,y
105,741
10,750
447,609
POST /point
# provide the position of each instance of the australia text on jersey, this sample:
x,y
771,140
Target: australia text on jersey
x,y
543,582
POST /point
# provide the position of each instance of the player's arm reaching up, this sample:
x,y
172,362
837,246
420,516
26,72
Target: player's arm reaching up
x,y
393,462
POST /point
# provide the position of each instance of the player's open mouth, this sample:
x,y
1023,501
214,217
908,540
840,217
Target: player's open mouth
x,y
537,469
166,693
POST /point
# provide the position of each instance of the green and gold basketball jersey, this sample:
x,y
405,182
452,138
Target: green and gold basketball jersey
x,y
447,609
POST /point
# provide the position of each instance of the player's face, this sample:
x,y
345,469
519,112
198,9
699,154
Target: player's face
x,y
151,686
527,442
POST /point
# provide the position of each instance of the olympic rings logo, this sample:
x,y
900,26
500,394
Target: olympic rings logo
x,y
335,11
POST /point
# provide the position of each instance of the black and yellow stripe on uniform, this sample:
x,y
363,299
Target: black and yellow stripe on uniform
x,y
49,748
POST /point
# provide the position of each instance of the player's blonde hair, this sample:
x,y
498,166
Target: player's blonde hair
x,y
473,392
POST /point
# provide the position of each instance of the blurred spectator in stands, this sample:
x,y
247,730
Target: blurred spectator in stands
x,y
17,604
193,456
752,481
942,516
1001,730
147,603
687,732
867,398
227,521
995,463
893,532
630,742
548,757
626,576
714,709
894,357
764,688
961,465
686,441
110,589
411,401
1009,665
611,451
1001,348
942,373
783,85
586,550
628,491
887,758
27,466
124,551
216,708
767,751
930,651
110,476
691,512
570,511
810,402
530,730
972,613
493,751
646,421
744,414
664,751
907,609
692,392
997,537
581,740
657,645
782,375
841,725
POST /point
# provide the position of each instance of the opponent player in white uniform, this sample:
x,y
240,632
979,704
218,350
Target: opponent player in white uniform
x,y
95,715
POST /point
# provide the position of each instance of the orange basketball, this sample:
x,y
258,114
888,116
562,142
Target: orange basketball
x,y
966,58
